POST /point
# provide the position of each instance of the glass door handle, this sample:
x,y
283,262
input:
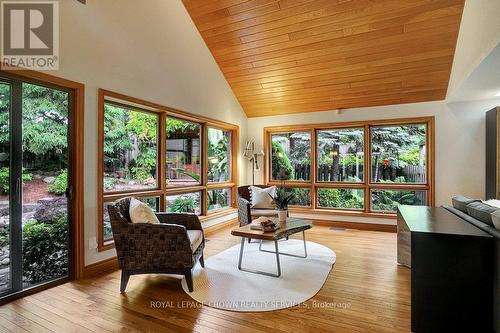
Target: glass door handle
x,y
69,193
18,190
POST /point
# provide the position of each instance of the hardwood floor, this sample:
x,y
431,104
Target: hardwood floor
x,y
365,292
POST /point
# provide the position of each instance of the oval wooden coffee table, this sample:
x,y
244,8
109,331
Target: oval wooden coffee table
x,y
288,228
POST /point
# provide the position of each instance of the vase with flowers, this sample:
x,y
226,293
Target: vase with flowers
x,y
282,197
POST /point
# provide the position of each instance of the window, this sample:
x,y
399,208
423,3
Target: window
x,y
291,152
174,161
398,154
388,200
184,203
363,167
301,196
183,153
340,198
130,149
219,155
340,155
218,198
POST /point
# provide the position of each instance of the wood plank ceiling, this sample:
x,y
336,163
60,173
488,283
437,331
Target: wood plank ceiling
x,y
293,56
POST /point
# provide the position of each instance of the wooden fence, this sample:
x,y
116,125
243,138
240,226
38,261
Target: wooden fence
x,y
328,173
415,174
302,171
411,173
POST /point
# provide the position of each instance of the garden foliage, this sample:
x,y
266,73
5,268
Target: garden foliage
x,y
60,183
281,161
45,250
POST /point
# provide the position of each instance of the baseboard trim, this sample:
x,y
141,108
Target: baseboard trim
x,y
356,225
221,213
101,267
216,227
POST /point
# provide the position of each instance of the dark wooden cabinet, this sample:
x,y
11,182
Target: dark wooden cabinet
x,y
492,190
451,270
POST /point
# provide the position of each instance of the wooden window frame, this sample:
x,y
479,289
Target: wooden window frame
x,y
366,185
162,190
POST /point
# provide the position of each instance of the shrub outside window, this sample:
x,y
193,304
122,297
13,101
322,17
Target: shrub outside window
x,y
184,203
292,152
340,198
388,200
301,198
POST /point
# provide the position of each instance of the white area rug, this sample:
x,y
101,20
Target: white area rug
x,y
221,285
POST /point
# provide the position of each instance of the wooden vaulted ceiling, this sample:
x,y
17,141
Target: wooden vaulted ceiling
x,y
291,56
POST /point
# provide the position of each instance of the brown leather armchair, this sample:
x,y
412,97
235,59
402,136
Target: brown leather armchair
x,y
171,247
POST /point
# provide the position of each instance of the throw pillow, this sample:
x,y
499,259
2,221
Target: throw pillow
x,y
493,202
141,213
495,216
481,212
460,202
262,197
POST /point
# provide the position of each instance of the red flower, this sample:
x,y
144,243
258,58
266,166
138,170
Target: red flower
x,y
386,162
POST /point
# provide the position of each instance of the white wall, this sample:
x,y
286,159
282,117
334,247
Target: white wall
x,y
460,141
483,82
479,34
151,52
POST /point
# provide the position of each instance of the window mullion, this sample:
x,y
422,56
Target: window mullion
x,y
235,147
162,156
314,168
368,169
429,161
204,169
204,160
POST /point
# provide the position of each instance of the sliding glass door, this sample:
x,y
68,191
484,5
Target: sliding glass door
x,y
5,249
34,161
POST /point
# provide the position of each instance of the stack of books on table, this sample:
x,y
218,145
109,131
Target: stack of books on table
x,y
266,224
